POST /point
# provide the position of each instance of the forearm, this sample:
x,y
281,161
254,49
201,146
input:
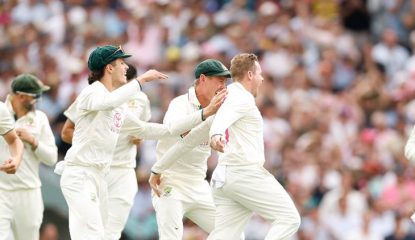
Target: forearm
x,y
16,148
113,99
195,137
147,130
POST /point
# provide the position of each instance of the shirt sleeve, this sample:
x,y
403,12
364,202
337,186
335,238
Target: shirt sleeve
x,y
6,120
196,136
46,151
71,112
234,108
410,147
147,130
101,100
146,110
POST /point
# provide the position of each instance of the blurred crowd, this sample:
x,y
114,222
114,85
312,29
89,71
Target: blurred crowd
x,y
337,99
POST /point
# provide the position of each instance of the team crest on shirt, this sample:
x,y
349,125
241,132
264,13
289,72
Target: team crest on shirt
x,y
133,104
30,122
93,196
167,191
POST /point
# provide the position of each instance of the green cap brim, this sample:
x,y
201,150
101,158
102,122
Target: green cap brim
x,y
120,55
44,88
222,74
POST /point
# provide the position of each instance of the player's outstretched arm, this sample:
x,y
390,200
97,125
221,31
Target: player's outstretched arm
x,y
195,137
145,130
106,101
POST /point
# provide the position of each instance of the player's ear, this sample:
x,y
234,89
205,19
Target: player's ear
x,y
109,67
202,78
250,75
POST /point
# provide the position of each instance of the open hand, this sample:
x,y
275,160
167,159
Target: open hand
x,y
155,180
217,142
215,103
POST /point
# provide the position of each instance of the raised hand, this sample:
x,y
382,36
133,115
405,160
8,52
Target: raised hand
x,y
151,75
215,103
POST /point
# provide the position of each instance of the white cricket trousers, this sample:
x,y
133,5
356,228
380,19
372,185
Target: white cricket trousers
x,y
170,211
248,190
122,188
85,192
21,213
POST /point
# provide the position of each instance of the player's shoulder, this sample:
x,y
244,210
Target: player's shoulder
x,y
141,96
41,115
92,88
180,100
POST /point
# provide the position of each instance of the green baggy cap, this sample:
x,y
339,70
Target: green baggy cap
x,y
28,84
102,56
211,67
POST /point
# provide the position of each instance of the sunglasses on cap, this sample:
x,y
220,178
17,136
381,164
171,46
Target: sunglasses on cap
x,y
119,49
34,95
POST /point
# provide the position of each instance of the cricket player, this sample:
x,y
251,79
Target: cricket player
x,y
11,141
100,114
241,185
181,189
21,205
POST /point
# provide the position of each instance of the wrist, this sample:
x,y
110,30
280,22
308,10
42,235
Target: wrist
x,y
206,112
34,143
140,82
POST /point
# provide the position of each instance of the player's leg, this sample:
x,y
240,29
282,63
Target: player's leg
x,y
81,189
230,218
260,192
122,187
203,215
28,214
169,213
6,216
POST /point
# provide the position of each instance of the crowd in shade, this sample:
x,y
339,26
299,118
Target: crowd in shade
x,y
337,98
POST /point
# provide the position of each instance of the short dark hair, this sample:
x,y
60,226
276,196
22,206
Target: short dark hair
x,y
95,76
242,63
131,72
98,74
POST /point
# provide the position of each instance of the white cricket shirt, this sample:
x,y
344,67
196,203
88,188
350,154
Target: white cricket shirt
x,y
125,151
239,120
97,125
27,175
193,164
